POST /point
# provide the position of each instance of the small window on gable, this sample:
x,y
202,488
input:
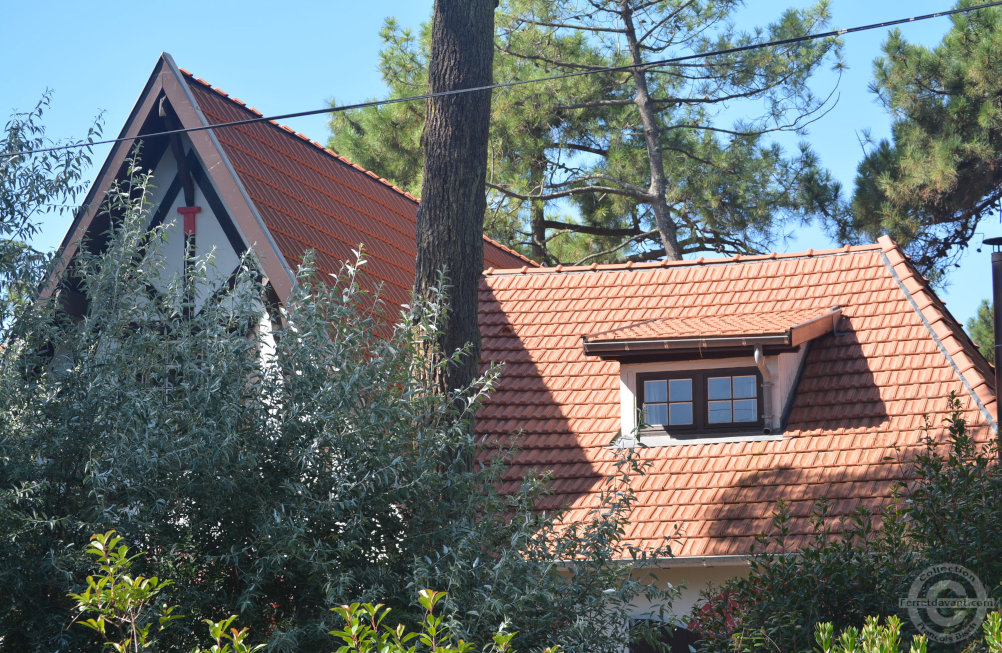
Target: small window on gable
x,y
701,401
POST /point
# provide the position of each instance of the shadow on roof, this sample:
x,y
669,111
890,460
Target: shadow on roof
x,y
837,388
523,411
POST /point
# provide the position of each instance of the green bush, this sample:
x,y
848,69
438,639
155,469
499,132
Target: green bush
x,y
117,605
120,608
273,474
33,185
874,638
364,631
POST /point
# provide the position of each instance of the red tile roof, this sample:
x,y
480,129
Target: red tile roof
x,y
310,197
856,418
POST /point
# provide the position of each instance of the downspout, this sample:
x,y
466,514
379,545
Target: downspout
x,y
767,416
996,245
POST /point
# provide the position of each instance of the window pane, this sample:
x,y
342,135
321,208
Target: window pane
x,y
745,410
719,412
655,414
744,386
655,392
681,414
681,389
719,387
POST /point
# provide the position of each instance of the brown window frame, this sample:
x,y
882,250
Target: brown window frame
x,y
700,409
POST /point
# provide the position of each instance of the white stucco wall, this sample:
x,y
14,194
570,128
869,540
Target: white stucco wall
x,y
211,243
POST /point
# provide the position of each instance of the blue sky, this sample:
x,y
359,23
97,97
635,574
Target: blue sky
x,y
296,55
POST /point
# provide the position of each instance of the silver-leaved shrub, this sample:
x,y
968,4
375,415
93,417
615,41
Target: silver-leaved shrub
x,y
274,462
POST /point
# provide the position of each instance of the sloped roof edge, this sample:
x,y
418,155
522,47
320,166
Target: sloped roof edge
x,y
943,328
739,258
106,174
282,285
166,80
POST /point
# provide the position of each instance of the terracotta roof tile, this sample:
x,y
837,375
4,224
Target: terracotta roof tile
x,y
862,395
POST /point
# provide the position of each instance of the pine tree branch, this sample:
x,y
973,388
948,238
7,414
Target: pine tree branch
x,y
570,26
592,230
594,104
570,192
598,177
625,243
689,155
583,148
553,62
664,20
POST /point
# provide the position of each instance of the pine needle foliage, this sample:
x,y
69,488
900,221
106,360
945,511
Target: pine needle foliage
x,y
981,328
938,177
660,161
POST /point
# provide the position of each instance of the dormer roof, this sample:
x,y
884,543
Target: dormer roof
x,y
732,331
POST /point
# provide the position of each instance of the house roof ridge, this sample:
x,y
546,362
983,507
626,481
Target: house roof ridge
x,y
650,265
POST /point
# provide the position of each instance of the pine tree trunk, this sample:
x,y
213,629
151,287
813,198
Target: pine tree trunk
x,y
537,208
453,201
652,139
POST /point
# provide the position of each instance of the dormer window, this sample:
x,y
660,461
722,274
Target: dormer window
x,y
691,379
701,401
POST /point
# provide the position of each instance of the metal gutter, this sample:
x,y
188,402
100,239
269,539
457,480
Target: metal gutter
x,y
815,327
742,560
664,344
689,562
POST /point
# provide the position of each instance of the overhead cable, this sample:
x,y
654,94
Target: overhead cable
x,y
521,82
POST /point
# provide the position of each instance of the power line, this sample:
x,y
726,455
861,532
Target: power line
x,y
477,89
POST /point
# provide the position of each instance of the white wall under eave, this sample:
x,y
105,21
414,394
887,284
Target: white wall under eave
x,y
690,581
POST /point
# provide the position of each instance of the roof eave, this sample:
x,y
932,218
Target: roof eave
x,y
229,184
91,205
682,344
732,560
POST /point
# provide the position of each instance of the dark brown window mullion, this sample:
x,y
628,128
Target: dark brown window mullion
x,y
699,393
